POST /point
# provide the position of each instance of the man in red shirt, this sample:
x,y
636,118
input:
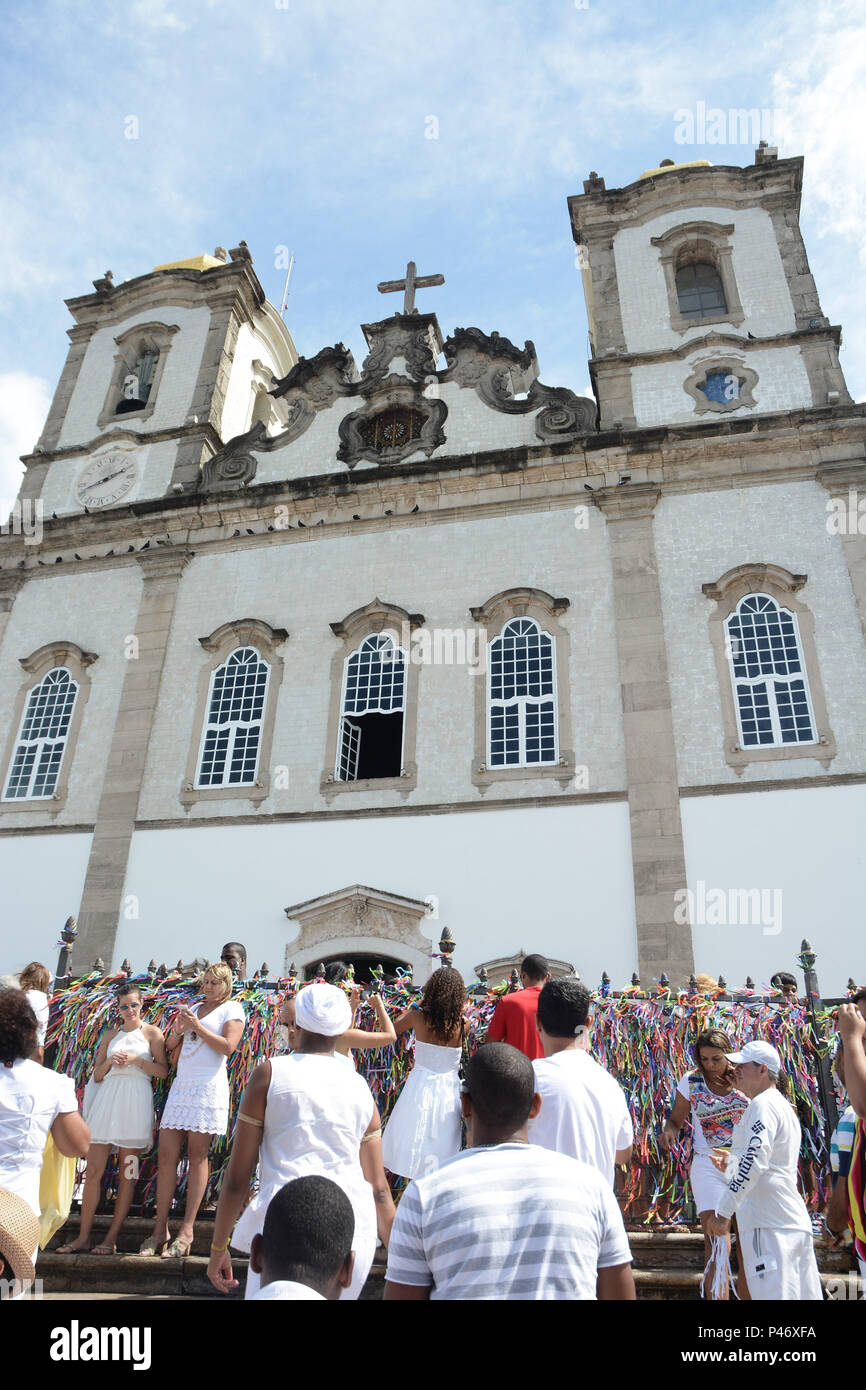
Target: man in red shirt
x,y
514,1019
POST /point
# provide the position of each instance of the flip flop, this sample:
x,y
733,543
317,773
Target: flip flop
x,y
70,1249
103,1250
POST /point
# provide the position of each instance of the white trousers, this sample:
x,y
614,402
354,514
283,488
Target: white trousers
x,y
780,1265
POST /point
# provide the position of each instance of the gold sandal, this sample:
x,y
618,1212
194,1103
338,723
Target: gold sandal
x,y
178,1249
150,1247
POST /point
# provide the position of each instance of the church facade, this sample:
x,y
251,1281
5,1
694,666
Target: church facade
x,y
324,656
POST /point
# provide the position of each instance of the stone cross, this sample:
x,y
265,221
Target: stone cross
x,y
412,282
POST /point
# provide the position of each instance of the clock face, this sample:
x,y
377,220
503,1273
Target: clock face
x,y
107,479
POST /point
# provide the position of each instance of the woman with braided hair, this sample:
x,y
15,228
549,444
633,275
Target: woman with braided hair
x,y
424,1129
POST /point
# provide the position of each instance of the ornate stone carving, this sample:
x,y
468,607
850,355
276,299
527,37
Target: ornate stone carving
x,y
323,378
565,414
353,447
506,379
362,919
414,337
228,471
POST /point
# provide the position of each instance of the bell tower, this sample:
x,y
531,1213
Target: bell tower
x,y
700,297
162,371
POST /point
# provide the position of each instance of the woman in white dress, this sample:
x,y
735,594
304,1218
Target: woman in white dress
x,y
424,1128
305,1114
119,1111
34,1102
198,1103
35,980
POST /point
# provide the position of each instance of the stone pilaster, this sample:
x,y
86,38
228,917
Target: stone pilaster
x,y
79,336
102,899
10,586
658,857
846,483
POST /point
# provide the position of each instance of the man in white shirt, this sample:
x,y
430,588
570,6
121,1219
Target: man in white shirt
x,y
305,1249
776,1243
583,1110
507,1220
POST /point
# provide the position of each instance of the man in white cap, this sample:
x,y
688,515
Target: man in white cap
x,y
307,1113
775,1233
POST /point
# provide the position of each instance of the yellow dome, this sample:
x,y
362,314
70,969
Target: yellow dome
x,y
668,168
203,262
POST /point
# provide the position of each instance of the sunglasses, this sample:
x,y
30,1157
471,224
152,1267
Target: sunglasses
x,y
123,1007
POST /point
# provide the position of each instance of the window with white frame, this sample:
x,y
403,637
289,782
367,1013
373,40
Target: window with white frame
x,y
771,689
233,726
522,700
372,710
41,742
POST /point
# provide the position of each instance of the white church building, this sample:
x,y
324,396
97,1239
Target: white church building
x,y
325,656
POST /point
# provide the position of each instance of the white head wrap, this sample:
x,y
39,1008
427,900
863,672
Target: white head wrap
x,y
323,1009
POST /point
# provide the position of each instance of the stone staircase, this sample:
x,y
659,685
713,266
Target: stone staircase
x,y
667,1266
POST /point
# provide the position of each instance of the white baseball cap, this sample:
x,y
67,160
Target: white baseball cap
x,y
761,1052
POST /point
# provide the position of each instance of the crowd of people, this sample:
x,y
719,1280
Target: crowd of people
x,y
510,1154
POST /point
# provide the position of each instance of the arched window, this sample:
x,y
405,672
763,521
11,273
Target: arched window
x,y
233,726
769,674
699,291
42,738
137,383
373,704
391,429
522,699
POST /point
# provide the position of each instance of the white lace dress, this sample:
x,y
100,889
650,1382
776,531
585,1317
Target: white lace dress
x,y
199,1096
120,1108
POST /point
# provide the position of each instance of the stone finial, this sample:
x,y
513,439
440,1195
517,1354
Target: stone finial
x,y
722,982
750,983
241,252
99,965
220,253
151,966
693,984
265,970
664,980
594,184
635,979
162,971
667,163
126,966
515,979
106,285
766,153
320,969
851,987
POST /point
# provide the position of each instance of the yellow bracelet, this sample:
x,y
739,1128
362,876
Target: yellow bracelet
x,y
220,1249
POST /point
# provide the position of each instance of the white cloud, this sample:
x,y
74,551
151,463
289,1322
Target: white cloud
x,y
24,402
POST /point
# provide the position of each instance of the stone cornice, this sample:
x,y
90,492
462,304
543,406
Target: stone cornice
x,y
712,455
842,473
168,563
234,282
830,332
244,632
753,576
202,430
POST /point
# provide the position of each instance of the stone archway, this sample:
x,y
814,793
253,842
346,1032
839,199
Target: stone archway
x,y
360,920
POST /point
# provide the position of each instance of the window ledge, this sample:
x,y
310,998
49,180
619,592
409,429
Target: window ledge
x,y
46,806
681,325
823,751
405,783
255,792
484,776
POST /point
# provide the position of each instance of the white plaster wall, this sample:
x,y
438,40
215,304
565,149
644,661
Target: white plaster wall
x,y
43,879
556,880
250,347
438,570
96,611
155,462
176,386
660,397
699,537
758,270
809,845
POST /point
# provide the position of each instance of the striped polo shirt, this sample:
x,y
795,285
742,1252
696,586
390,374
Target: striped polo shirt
x,y
509,1222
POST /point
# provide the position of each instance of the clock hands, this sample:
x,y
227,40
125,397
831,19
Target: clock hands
x,y
97,482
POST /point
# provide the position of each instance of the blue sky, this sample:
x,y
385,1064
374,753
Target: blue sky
x,y
305,123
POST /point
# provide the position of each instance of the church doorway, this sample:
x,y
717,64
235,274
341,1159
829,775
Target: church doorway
x,y
363,964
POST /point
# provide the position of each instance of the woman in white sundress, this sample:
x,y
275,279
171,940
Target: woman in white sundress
x,y
424,1128
198,1102
119,1110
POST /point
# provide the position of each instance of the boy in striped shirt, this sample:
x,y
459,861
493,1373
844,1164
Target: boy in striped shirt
x,y
505,1219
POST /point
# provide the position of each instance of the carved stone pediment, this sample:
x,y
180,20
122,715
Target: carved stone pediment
x,y
415,338
359,919
505,378
474,356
